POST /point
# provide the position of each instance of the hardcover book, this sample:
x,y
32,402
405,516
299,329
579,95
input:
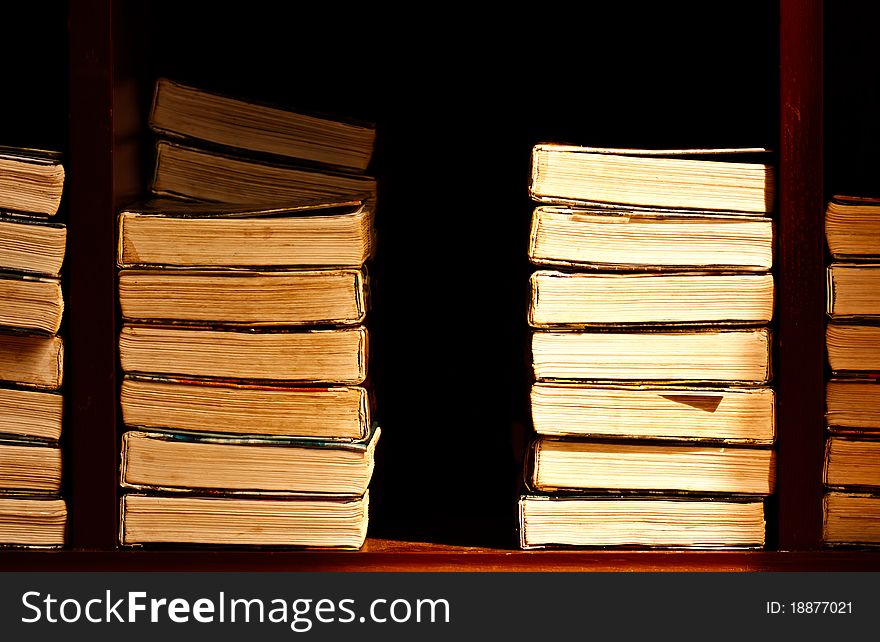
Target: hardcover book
x,y
592,298
31,413
31,181
33,522
853,290
203,175
182,111
852,227
851,518
319,356
31,360
700,354
32,246
697,179
853,348
584,465
700,413
176,233
30,303
238,521
618,239
244,297
187,461
330,413
29,467
853,405
676,522
851,461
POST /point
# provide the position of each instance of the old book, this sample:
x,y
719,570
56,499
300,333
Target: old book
x,y
851,518
852,227
30,467
851,461
580,465
32,521
704,354
698,179
588,298
180,110
325,356
31,181
337,412
30,413
853,290
30,303
187,461
31,360
640,522
630,239
30,245
243,297
853,348
260,521
853,405
736,415
175,233
204,175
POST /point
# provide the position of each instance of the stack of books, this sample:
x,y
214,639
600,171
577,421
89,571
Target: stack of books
x,y
653,416
852,472
32,512
243,342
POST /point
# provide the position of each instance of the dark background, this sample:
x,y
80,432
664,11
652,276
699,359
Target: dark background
x,y
459,96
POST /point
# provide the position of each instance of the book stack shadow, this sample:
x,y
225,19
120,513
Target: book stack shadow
x,y
243,292
32,246
852,447
650,309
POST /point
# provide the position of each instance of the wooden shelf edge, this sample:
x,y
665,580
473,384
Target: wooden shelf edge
x,y
391,556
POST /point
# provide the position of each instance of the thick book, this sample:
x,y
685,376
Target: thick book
x,y
31,413
329,413
31,360
655,522
37,522
30,303
600,298
697,179
699,413
851,461
694,354
32,246
853,405
167,232
243,297
620,239
852,227
31,181
853,290
560,464
183,111
29,467
319,356
188,462
308,522
853,347
207,175
851,518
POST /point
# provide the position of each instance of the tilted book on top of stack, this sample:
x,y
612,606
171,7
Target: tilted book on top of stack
x,y
243,343
651,350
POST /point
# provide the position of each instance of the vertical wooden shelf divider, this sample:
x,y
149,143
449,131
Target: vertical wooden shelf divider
x,y
800,281
90,363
